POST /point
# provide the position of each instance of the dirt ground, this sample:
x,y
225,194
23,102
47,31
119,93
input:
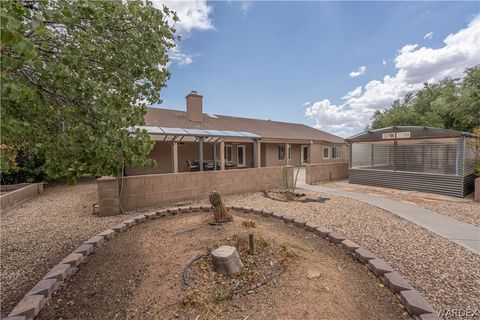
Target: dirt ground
x,y
40,232
137,275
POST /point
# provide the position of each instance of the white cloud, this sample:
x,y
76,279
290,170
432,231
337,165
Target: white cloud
x,y
179,57
415,65
428,36
306,104
192,14
245,6
384,61
361,70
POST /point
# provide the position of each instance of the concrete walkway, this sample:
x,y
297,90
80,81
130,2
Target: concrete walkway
x,y
461,233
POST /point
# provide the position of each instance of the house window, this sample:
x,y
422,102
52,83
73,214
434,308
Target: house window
x,y
289,152
326,154
281,152
335,153
228,153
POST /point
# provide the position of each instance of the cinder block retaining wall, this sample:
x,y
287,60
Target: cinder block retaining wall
x,y
22,193
321,172
138,192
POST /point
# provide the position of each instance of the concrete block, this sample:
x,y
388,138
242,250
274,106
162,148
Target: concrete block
x,y
323,232
396,282
15,318
336,237
130,223
288,218
415,303
247,209
172,210
299,222
121,227
277,215
44,288
139,219
95,241
428,316
85,249
267,213
258,211
310,226
162,213
364,255
350,245
107,234
379,267
237,208
60,272
151,215
73,259
29,306
184,209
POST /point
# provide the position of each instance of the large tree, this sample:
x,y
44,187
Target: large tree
x,y
75,75
450,103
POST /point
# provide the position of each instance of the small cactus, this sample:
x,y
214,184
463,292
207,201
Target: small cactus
x,y
220,213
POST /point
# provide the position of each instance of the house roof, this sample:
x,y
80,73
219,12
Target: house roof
x,y
267,129
414,132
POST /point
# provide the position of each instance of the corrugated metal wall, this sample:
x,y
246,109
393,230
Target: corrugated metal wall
x,y
441,166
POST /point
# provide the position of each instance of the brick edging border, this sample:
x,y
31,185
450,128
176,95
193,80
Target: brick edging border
x,y
415,304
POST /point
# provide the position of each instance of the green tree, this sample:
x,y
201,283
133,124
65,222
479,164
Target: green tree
x,y
75,76
450,103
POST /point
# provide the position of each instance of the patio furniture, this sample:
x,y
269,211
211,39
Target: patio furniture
x,y
208,165
192,167
229,165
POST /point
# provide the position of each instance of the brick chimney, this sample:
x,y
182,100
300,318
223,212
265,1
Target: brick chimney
x,y
194,106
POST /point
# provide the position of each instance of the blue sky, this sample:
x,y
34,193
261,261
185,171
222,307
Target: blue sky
x,y
294,61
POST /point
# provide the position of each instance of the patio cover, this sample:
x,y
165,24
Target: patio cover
x,y
194,135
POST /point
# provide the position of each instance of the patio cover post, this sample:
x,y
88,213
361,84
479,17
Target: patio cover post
x,y
214,156
259,157
287,147
200,147
255,151
175,156
222,155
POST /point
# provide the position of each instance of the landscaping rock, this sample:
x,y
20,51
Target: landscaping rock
x,y
184,209
379,267
44,288
226,260
73,259
107,234
29,306
60,272
247,209
350,245
311,226
415,303
172,210
196,208
336,237
95,241
256,211
396,282
121,227
299,223
312,274
84,249
323,232
364,255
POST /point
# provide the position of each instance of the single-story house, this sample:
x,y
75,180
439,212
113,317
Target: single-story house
x,y
414,158
184,139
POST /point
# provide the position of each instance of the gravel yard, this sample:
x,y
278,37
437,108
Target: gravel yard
x,y
445,273
39,233
464,210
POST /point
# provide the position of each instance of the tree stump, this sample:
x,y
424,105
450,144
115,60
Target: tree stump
x,y
226,260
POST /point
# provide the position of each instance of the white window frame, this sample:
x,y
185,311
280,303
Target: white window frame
x,y
244,158
229,146
328,153
278,152
289,152
336,152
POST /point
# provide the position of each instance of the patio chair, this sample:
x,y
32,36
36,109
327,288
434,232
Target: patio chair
x,y
191,167
208,165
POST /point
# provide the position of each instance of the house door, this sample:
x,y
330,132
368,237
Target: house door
x,y
241,156
304,154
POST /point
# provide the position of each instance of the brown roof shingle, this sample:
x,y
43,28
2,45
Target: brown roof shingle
x,y
264,128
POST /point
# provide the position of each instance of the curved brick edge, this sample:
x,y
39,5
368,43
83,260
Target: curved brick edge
x,y
415,304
